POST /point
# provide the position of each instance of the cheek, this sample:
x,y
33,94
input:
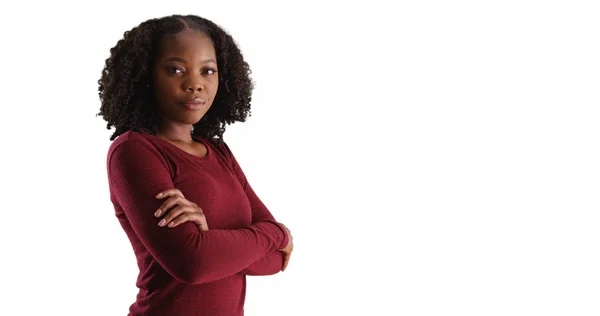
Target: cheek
x,y
164,90
159,95
162,98
215,88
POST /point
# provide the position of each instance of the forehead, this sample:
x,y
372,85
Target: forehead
x,y
186,43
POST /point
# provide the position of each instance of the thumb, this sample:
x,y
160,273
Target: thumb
x,y
202,227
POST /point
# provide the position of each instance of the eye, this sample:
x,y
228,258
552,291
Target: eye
x,y
209,71
174,70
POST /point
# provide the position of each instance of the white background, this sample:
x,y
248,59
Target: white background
x,y
432,158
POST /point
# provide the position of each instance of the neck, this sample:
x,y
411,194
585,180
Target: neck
x,y
176,133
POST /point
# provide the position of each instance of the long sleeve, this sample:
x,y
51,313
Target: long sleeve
x,y
272,262
137,172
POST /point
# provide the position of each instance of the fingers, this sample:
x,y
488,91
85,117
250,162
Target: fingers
x,y
172,201
174,213
286,260
202,224
197,218
185,210
287,251
182,214
169,192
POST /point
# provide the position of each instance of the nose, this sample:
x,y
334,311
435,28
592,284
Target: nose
x,y
193,85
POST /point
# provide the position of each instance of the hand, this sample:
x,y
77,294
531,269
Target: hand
x,y
287,251
183,212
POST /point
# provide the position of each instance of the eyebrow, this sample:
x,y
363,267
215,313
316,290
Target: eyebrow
x,y
205,61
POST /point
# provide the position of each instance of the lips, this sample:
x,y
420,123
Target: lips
x,y
193,103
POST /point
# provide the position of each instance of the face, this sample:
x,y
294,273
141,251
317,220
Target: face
x,y
185,77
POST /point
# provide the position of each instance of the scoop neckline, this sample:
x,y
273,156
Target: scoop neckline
x,y
194,138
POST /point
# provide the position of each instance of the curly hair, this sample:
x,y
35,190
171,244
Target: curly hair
x,y
125,90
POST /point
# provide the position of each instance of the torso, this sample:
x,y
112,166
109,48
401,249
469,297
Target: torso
x,y
208,181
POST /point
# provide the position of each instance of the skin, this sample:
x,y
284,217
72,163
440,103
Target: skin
x,y
186,68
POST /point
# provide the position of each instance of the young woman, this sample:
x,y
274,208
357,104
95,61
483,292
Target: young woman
x,y
197,228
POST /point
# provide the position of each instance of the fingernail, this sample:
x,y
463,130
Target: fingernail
x,y
157,213
162,223
159,195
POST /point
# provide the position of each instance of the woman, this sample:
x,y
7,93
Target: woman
x,y
169,88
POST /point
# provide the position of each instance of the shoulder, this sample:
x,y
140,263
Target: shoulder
x,y
133,145
130,138
137,151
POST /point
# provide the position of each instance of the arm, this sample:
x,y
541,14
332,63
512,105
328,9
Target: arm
x,y
137,172
272,262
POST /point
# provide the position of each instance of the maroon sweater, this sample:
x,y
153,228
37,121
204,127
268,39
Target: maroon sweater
x,y
184,271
